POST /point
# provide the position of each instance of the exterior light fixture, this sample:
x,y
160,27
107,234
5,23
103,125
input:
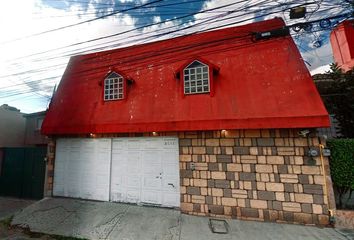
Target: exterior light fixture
x,y
155,134
298,12
92,135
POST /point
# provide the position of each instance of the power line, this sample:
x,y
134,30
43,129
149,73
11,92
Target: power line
x,y
83,22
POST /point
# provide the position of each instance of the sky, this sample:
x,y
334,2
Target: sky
x,y
39,36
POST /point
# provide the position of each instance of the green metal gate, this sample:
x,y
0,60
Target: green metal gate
x,y
22,172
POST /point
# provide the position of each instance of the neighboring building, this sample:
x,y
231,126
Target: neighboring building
x,y
342,42
33,136
12,127
216,124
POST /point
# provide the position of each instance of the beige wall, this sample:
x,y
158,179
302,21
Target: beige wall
x,y
33,134
12,127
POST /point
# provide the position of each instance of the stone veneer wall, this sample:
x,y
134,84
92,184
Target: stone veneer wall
x,y
247,174
253,174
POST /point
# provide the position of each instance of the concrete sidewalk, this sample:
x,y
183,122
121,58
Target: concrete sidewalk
x,y
105,220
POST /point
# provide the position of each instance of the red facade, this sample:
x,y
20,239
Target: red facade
x,y
342,41
254,84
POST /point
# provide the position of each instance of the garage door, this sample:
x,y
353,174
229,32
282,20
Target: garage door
x,y
135,170
145,170
82,168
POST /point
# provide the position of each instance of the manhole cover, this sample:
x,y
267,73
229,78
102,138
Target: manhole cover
x,y
218,226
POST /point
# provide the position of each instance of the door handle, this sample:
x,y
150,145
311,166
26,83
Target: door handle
x,y
171,184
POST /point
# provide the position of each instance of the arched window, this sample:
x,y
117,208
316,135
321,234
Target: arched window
x,y
113,87
196,78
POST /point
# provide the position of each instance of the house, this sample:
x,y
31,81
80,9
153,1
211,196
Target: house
x,y
12,127
22,153
342,42
33,136
216,124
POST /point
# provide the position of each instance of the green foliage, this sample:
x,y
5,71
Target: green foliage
x,y
342,165
338,96
6,222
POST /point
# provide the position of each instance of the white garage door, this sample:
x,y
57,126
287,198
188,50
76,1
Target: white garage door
x,y
145,170
135,170
82,168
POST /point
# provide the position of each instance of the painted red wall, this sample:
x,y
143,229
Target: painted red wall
x,y
342,41
261,84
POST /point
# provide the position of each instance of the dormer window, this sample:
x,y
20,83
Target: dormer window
x,y
196,78
113,87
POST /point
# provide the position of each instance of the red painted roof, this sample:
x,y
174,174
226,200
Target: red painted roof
x,y
262,84
342,41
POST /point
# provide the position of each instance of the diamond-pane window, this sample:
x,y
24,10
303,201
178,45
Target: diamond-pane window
x,y
113,87
196,78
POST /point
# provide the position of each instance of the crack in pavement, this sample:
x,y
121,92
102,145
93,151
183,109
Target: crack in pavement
x,y
112,223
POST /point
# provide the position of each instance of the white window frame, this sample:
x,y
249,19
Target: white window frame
x,y
196,79
113,87
39,122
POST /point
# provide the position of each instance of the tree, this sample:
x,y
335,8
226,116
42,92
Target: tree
x,y
338,96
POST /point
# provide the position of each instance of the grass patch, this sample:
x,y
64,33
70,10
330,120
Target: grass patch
x,y
6,222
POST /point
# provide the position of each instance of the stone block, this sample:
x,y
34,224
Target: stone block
x,y
291,207
265,142
303,218
275,160
252,133
230,175
317,209
241,150
249,212
222,183
275,187
200,182
248,159
186,173
313,189
306,207
266,195
288,187
277,205
301,142
198,199
213,167
185,142
247,176
264,168
260,204
186,207
318,199
227,142
303,179
282,169
211,183
217,192
199,150
218,175
224,158
289,178
209,200
303,198
226,201
193,190
280,196
185,158
213,142
236,193
313,170
234,167
260,186
215,209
